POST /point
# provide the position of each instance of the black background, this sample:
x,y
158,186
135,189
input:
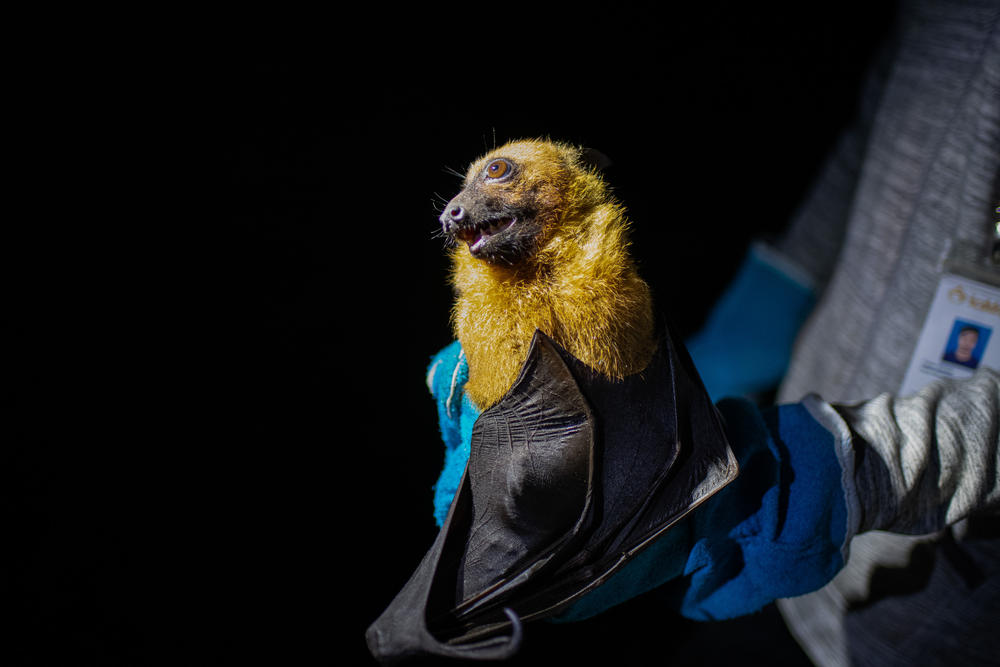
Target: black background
x,y
223,445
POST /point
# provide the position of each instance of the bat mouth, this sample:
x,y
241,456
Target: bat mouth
x,y
481,235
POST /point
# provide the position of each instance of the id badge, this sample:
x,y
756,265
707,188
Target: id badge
x,y
961,332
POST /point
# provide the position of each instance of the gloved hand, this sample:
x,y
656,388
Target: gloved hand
x,y
746,341
778,530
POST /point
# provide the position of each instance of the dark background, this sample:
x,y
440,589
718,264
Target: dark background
x,y
223,445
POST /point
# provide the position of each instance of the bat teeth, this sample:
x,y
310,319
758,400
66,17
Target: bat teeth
x,y
478,234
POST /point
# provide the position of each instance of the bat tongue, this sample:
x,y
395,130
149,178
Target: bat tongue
x,y
479,241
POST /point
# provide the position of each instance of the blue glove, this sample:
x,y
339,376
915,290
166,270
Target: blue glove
x,y
746,342
777,531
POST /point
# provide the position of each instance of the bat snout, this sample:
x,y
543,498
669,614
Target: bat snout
x,y
453,217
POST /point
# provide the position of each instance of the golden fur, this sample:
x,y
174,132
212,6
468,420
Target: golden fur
x,y
580,285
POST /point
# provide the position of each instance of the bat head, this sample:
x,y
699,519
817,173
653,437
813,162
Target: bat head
x,y
516,198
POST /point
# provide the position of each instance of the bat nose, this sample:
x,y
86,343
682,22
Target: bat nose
x,y
453,216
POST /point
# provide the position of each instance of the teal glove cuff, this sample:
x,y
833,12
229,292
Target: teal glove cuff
x,y
746,342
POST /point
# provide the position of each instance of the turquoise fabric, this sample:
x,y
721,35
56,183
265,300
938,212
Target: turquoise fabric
x,y
776,531
746,342
446,377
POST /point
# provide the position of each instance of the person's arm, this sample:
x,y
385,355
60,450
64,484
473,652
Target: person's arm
x,y
923,462
813,475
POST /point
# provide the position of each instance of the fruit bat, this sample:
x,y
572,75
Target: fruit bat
x,y
596,435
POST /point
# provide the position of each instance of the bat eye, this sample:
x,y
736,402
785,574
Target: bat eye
x,y
497,169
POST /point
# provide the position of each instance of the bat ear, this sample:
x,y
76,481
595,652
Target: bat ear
x,y
595,158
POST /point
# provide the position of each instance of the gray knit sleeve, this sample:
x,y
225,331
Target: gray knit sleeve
x,y
923,462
